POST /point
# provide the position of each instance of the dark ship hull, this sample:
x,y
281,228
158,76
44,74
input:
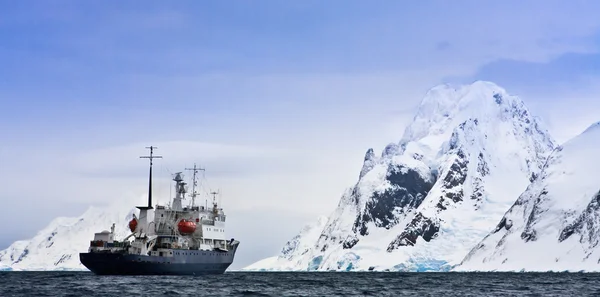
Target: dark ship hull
x,y
183,262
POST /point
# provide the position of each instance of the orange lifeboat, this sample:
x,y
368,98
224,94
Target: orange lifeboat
x,y
133,224
186,227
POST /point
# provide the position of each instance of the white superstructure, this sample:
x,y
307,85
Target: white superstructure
x,y
173,226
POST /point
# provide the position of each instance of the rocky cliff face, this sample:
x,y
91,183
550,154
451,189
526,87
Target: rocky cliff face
x,y
555,223
426,200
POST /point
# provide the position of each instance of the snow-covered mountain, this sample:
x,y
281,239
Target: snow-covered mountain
x,y
426,200
57,246
293,249
555,224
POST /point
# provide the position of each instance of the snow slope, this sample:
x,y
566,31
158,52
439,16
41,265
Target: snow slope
x,y
421,205
57,246
293,249
555,223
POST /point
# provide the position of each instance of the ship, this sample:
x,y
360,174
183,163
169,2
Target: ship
x,y
167,239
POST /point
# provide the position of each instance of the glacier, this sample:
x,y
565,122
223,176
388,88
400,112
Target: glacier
x,y
555,224
422,204
57,246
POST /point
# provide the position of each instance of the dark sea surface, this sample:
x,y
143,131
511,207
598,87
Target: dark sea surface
x,y
302,284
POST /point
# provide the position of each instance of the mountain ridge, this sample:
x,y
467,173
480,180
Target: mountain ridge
x,y
411,206
471,160
559,213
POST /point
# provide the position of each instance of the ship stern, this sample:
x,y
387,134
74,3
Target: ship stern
x,y
101,263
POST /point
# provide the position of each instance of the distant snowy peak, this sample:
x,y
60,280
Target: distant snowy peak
x,y
57,246
555,223
293,250
301,243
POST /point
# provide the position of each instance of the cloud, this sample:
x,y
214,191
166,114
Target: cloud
x,y
221,159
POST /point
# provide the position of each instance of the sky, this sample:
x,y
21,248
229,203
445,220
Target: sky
x,y
278,100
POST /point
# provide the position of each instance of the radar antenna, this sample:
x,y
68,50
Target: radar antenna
x,y
151,157
215,210
194,181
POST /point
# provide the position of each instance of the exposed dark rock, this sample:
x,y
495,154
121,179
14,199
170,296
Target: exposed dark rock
x,y
408,189
51,236
498,98
324,248
368,163
453,142
441,204
290,246
458,171
62,259
22,256
500,225
455,196
420,226
478,189
353,197
504,224
508,224
360,224
482,166
390,150
454,179
586,224
533,177
369,155
529,234
350,242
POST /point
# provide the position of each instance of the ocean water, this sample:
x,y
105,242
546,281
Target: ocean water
x,y
302,284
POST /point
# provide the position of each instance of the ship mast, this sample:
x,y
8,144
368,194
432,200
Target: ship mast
x,y
151,157
194,181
